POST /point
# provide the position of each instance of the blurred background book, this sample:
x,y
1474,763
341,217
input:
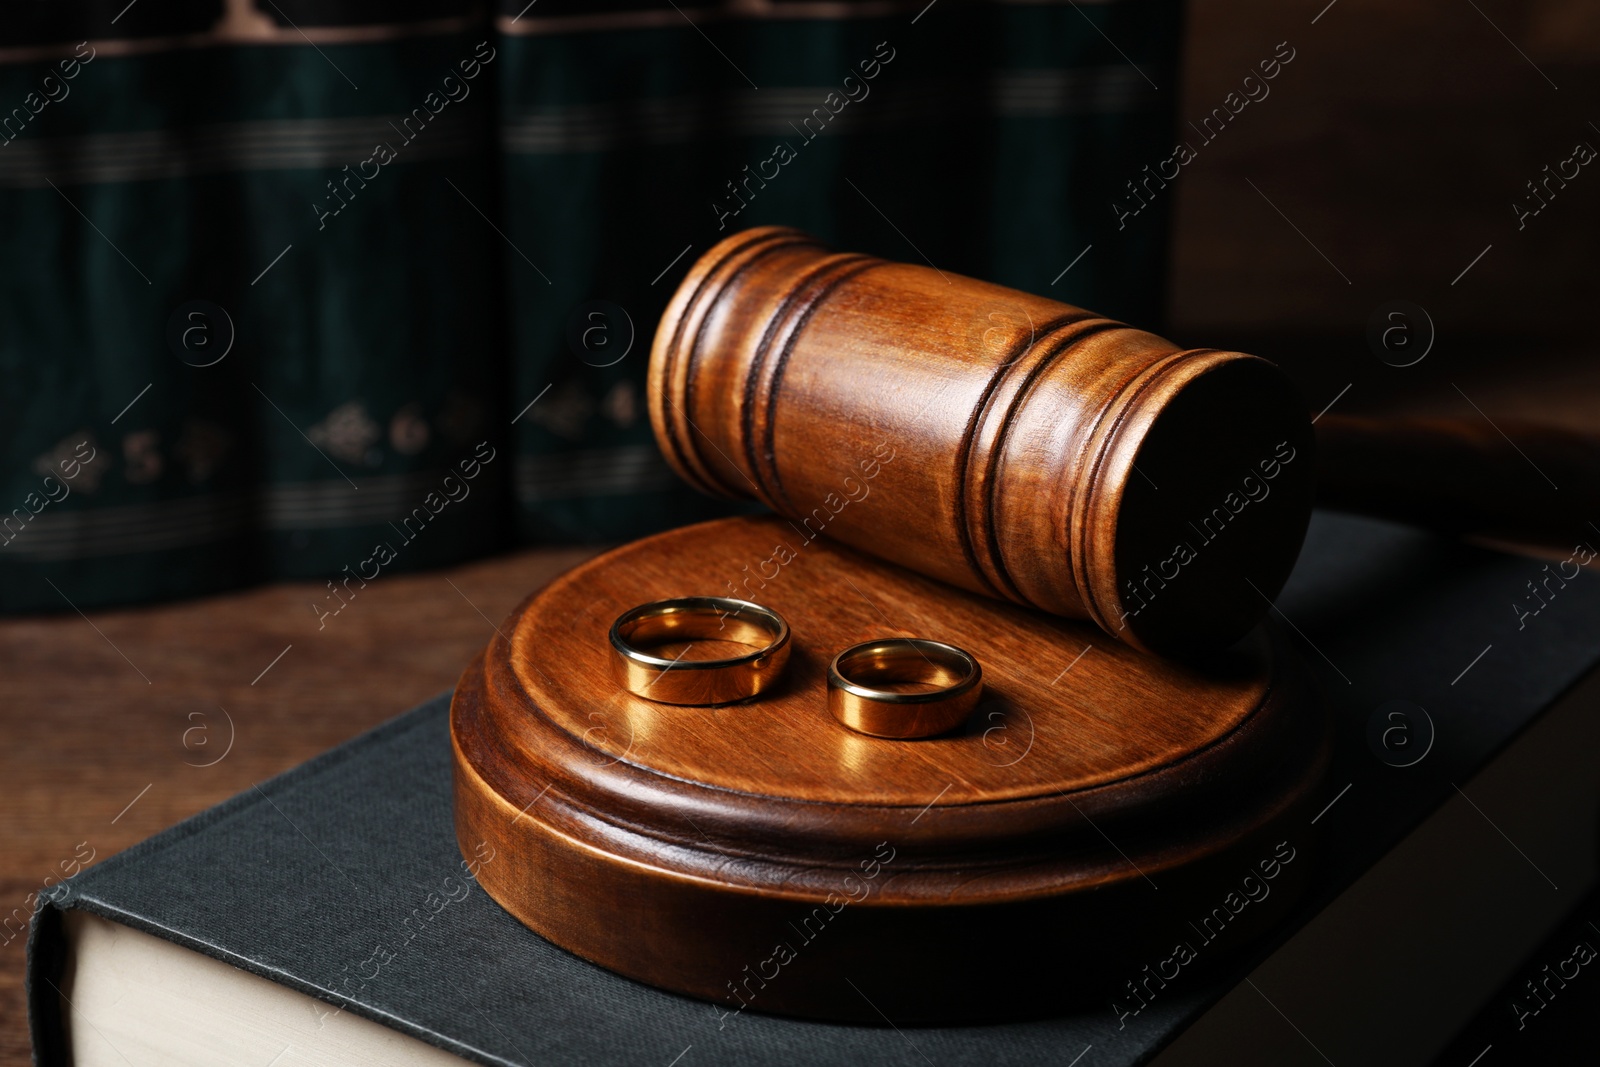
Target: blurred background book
x,y
278,267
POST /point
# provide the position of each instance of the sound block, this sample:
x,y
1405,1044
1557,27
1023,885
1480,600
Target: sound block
x,y
763,857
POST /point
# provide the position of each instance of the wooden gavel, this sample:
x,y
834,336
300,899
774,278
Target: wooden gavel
x,y
1033,451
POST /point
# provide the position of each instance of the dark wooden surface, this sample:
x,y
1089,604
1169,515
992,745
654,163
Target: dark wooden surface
x,y
1003,442
1529,482
674,843
85,734
1394,146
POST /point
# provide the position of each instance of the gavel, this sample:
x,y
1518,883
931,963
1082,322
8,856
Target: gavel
x,y
1033,451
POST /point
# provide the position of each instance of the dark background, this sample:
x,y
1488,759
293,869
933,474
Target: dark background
x,y
1397,142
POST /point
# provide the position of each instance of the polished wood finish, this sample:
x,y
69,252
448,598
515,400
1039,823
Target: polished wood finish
x,y
1510,480
680,845
1004,443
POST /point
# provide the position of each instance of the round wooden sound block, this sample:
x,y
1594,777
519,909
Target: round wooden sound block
x,y
1096,805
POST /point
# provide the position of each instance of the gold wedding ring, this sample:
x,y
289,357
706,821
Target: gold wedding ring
x,y
857,700
704,682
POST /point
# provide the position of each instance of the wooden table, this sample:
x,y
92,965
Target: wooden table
x,y
110,720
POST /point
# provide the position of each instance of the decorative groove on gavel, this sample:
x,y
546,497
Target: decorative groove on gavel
x,y
1002,442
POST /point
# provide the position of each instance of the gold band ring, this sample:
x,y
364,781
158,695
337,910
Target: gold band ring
x,y
856,700
701,682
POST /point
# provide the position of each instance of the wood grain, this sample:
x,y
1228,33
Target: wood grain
x,y
86,734
1393,165
1510,480
1002,442
676,844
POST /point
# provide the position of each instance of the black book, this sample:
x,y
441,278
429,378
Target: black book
x,y
328,916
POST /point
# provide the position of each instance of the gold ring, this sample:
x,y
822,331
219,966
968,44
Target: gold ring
x,y
858,671
702,682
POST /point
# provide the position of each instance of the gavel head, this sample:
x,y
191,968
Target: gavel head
x,y
1002,442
